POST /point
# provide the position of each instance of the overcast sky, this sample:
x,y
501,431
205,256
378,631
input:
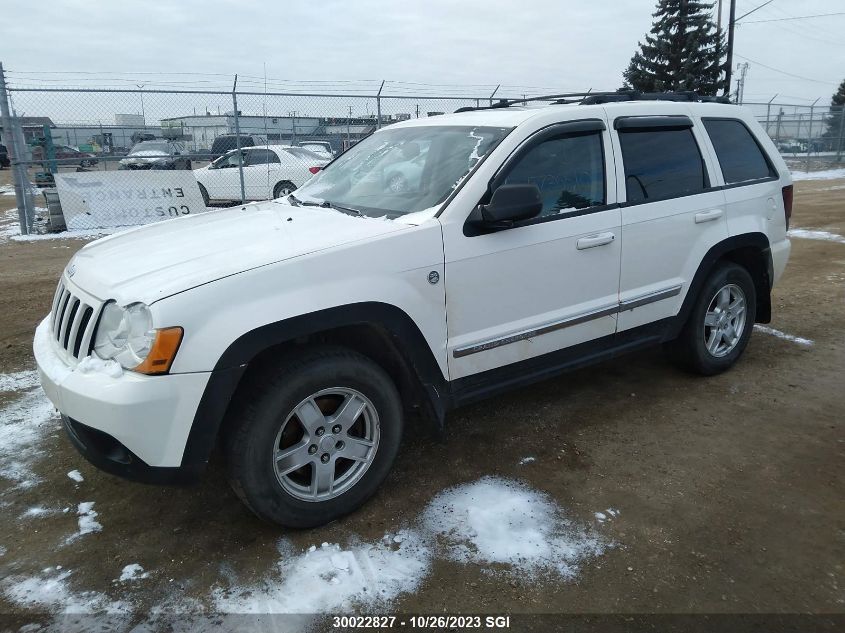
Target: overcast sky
x,y
537,44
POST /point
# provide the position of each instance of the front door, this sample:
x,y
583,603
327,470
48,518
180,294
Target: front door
x,y
545,284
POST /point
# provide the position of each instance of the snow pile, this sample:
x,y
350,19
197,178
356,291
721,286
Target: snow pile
x,y
827,174
24,420
332,579
132,572
50,591
501,522
783,335
96,365
87,521
76,476
527,460
809,234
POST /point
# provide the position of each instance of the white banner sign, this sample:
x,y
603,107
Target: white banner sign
x,y
108,199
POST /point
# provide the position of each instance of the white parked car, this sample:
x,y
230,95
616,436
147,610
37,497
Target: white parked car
x,y
297,334
270,171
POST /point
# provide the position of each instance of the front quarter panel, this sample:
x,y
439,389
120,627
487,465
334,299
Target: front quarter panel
x,y
391,269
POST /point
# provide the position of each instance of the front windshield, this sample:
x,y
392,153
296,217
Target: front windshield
x,y
151,146
401,170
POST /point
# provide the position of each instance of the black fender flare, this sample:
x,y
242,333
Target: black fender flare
x,y
720,251
230,367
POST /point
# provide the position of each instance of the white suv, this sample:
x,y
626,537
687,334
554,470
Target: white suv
x,y
298,334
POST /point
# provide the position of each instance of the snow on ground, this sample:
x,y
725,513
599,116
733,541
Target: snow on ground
x,y
810,234
50,591
132,572
527,460
76,476
330,578
36,512
87,521
827,174
783,335
24,419
504,523
18,380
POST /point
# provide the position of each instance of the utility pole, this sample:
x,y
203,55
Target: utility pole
x,y
740,84
143,115
730,60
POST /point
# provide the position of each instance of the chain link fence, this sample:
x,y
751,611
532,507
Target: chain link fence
x,y
247,144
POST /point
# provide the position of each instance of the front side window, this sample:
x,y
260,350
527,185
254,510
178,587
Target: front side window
x,y
227,160
661,163
402,170
740,157
569,171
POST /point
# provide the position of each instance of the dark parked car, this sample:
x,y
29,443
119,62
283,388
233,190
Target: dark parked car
x,y
227,142
158,154
67,154
4,157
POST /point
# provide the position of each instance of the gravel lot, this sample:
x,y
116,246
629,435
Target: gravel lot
x,y
654,491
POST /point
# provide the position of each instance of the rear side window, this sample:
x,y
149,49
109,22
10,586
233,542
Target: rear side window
x,y
661,163
569,171
740,157
261,157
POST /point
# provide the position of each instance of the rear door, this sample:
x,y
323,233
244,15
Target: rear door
x,y
673,210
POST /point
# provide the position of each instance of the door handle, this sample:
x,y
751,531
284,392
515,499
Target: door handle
x,y
591,241
708,216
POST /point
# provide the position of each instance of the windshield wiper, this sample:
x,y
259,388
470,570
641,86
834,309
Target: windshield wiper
x,y
304,203
325,204
333,205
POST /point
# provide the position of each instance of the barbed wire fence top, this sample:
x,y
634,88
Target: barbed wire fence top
x,y
68,122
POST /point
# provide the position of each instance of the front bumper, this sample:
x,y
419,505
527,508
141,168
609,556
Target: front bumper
x,y
133,425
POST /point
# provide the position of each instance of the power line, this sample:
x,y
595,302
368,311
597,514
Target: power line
x,y
753,10
783,72
797,17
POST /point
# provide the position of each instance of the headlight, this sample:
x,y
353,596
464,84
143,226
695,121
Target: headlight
x,y
126,335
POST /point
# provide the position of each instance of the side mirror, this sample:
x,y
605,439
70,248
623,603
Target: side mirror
x,y
509,204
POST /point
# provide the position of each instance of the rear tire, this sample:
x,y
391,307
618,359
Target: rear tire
x,y
296,456
284,188
720,324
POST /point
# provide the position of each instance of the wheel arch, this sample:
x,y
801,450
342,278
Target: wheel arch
x,y
380,331
750,250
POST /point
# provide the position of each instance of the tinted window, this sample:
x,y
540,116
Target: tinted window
x,y
569,171
661,163
739,154
261,157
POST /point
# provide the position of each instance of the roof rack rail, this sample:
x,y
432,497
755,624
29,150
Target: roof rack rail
x,y
593,98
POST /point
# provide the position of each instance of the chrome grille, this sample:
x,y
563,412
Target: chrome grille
x,y
72,323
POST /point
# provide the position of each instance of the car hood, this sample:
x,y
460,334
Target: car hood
x,y
158,260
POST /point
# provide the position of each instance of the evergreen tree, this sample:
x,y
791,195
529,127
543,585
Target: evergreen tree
x,y
834,117
683,51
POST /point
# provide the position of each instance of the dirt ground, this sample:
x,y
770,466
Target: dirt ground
x,y
729,489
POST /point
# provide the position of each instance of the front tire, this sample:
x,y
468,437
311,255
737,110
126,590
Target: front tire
x,y
312,440
720,324
204,194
